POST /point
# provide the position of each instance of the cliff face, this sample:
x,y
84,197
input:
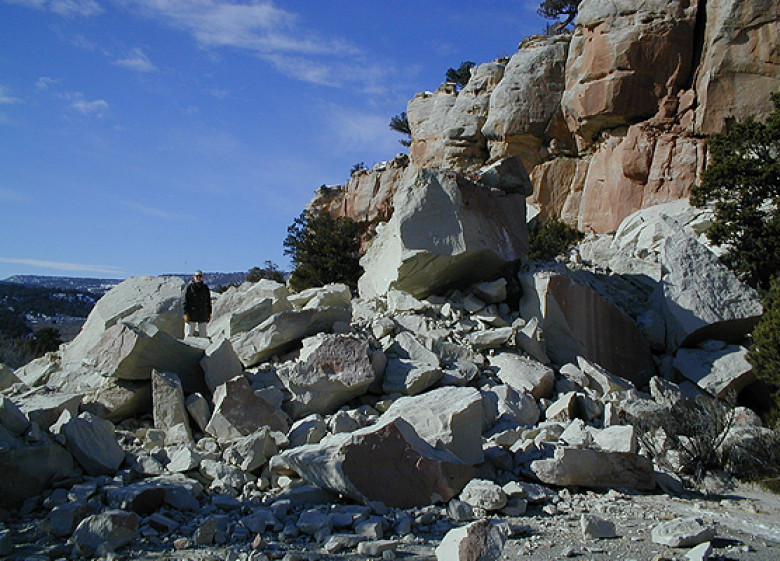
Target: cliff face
x,y
608,120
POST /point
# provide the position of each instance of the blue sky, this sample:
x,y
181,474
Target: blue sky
x,y
156,136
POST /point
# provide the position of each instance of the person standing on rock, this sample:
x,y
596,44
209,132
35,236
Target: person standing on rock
x,y
196,306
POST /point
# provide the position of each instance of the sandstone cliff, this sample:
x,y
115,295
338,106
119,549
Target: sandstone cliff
x,y
609,119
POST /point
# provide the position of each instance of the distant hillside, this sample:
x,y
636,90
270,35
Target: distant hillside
x,y
23,306
101,286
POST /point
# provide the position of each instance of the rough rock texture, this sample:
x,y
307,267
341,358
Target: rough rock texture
x,y
445,231
577,321
389,463
698,307
26,472
336,370
596,469
608,119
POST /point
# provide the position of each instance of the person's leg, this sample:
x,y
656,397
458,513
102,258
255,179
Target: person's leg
x,y
189,329
202,329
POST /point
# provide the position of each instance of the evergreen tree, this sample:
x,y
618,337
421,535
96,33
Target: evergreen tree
x,y
743,181
324,250
554,9
460,76
269,270
550,238
764,354
400,123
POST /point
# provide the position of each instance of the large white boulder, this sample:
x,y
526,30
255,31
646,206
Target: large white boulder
x,y
447,418
700,298
155,300
445,231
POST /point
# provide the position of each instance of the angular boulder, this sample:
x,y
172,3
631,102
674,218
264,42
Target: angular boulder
x,y
719,372
169,411
238,411
92,442
335,370
283,331
156,300
445,231
447,418
595,469
388,463
242,308
131,351
26,472
578,321
700,298
106,532
220,363
524,374
479,541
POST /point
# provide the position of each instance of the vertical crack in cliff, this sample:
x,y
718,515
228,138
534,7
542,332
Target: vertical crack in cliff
x,y
699,34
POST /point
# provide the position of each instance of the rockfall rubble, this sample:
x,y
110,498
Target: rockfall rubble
x,y
466,403
353,427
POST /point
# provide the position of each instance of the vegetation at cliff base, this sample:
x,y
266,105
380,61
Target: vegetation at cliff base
x,y
764,354
323,250
550,238
742,181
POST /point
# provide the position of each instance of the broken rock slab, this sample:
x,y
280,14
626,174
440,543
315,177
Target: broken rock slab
x,y
578,321
479,541
283,331
524,374
155,300
92,442
169,411
26,472
131,351
595,469
447,418
700,298
334,369
718,372
103,533
239,411
445,231
388,463
683,532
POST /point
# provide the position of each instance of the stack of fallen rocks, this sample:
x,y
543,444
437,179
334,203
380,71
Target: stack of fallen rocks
x,y
355,424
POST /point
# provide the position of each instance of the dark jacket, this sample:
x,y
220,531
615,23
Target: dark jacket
x,y
197,301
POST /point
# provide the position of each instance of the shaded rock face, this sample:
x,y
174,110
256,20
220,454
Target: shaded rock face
x,y
26,472
445,231
578,321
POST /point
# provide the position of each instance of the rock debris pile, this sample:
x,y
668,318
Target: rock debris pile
x,y
368,426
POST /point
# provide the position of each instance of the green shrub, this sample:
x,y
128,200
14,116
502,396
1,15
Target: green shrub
x,y
764,353
269,270
550,238
324,249
688,437
460,76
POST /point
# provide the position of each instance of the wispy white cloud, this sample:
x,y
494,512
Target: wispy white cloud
x,y
65,266
5,97
67,8
351,131
137,61
274,35
78,103
46,82
155,212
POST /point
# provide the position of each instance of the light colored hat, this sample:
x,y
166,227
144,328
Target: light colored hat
x,y
198,273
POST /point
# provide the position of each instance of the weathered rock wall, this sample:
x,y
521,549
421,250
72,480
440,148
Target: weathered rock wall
x,y
609,119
